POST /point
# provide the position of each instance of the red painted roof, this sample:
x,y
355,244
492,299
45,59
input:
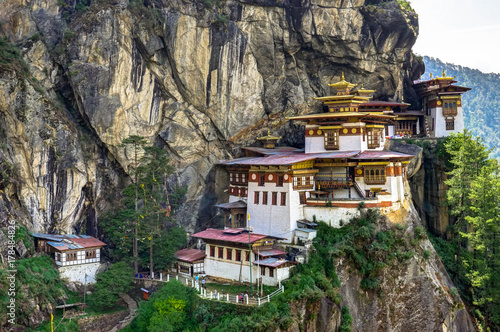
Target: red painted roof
x,y
278,149
381,155
222,235
190,255
280,159
88,242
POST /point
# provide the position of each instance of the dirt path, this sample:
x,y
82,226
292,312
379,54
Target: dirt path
x,y
132,307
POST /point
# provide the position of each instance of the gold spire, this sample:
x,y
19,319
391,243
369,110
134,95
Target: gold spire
x,y
269,141
444,74
431,75
342,78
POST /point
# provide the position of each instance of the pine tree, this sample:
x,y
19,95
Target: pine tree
x,y
136,143
467,155
484,240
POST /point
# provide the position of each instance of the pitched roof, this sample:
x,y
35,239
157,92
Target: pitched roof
x,y
273,262
381,155
69,241
190,255
233,205
238,236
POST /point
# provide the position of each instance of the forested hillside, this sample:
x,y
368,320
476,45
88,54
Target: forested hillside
x,y
480,105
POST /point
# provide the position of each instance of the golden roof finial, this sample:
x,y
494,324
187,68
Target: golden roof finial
x,y
319,187
268,132
362,86
431,75
444,74
402,98
342,78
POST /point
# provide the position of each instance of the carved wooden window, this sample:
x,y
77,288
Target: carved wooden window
x,y
274,199
221,253
302,197
264,198
373,137
256,197
262,179
229,254
279,181
375,175
238,255
283,199
247,256
331,139
212,251
450,108
90,254
262,270
71,256
450,124
271,272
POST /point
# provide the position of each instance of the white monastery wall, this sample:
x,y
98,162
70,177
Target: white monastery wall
x,y
77,272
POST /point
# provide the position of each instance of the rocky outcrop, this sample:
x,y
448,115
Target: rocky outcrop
x,y
415,296
199,78
429,190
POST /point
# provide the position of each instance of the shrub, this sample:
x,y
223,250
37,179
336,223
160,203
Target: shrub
x,y
426,254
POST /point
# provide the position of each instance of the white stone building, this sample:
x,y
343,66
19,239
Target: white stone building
x,y
442,105
78,257
234,254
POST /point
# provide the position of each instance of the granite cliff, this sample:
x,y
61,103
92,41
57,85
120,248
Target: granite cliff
x,y
198,78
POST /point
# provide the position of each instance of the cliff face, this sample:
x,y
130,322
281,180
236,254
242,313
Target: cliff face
x,y
200,78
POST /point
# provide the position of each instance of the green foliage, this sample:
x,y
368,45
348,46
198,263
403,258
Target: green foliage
x,y
480,104
346,325
36,278
426,254
406,5
111,284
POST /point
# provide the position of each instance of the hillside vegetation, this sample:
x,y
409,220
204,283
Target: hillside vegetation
x,y
480,104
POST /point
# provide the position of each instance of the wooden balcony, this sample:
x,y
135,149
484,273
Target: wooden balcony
x,y
332,181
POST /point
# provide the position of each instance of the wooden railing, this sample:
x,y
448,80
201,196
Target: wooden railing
x,y
214,295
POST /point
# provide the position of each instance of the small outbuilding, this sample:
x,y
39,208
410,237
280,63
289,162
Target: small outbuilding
x,y
190,262
78,257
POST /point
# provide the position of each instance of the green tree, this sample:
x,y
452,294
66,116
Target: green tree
x,y
117,280
156,206
467,156
484,240
136,143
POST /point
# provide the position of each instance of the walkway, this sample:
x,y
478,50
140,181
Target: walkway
x,y
214,295
132,307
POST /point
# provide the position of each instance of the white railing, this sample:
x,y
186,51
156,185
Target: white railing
x,y
214,295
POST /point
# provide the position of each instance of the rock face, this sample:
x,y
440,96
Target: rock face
x,y
199,78
429,191
415,296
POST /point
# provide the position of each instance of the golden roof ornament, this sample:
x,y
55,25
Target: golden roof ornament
x,y
444,74
431,75
269,141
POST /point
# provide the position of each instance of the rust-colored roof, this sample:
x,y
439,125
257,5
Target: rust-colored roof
x,y
190,255
88,242
70,241
223,235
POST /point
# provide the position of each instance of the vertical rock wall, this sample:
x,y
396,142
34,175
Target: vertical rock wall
x,y
199,78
